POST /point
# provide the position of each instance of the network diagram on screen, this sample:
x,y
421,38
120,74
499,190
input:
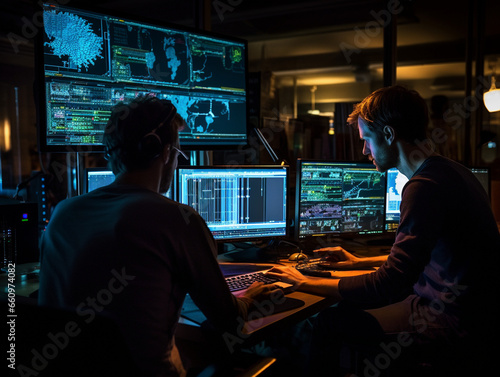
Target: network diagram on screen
x,y
340,198
93,61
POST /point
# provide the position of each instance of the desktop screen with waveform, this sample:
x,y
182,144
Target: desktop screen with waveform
x,y
240,202
91,61
336,198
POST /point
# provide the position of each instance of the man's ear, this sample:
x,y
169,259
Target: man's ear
x,y
166,154
389,134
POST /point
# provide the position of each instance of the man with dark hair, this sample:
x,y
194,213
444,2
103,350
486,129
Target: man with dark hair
x,y
131,147
127,252
438,282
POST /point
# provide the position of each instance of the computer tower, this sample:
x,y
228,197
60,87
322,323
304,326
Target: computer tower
x,y
18,232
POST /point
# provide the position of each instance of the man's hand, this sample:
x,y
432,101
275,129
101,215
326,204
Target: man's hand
x,y
288,275
336,258
323,287
259,291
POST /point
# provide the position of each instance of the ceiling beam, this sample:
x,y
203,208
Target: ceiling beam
x,y
429,53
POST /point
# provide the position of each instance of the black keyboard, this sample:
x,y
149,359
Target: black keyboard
x,y
240,282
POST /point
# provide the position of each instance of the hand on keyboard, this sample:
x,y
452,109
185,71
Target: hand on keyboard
x,y
259,292
244,281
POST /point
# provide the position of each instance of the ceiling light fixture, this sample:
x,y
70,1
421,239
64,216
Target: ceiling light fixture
x,y
492,97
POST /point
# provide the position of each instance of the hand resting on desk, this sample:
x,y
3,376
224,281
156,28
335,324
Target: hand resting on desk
x,y
288,274
339,259
293,276
336,258
319,286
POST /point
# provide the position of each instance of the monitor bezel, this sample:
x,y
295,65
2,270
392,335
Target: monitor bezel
x,y
251,166
40,90
335,235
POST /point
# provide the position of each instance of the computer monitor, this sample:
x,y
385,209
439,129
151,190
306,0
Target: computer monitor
x,y
483,176
339,198
87,62
98,177
241,202
395,183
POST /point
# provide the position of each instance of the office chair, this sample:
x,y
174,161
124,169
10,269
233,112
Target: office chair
x,y
58,343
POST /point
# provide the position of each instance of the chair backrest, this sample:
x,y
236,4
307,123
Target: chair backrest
x,y
54,342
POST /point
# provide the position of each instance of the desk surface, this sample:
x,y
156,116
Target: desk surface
x,y
190,335
260,325
264,324
25,282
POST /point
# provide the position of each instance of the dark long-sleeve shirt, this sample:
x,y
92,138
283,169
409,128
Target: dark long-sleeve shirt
x,y
133,254
446,248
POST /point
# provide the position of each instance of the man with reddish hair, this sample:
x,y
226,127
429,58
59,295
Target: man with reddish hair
x,y
438,285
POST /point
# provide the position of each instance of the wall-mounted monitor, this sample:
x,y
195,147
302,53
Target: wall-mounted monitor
x,y
88,61
339,198
240,202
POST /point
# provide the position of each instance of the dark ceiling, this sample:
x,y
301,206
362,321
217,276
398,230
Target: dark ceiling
x,y
302,37
252,20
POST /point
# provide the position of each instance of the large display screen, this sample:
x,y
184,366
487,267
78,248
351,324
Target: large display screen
x,y
87,62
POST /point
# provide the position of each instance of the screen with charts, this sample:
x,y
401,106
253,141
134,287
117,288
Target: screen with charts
x,y
98,177
87,62
237,202
339,198
395,183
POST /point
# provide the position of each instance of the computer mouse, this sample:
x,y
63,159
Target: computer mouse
x,y
297,257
